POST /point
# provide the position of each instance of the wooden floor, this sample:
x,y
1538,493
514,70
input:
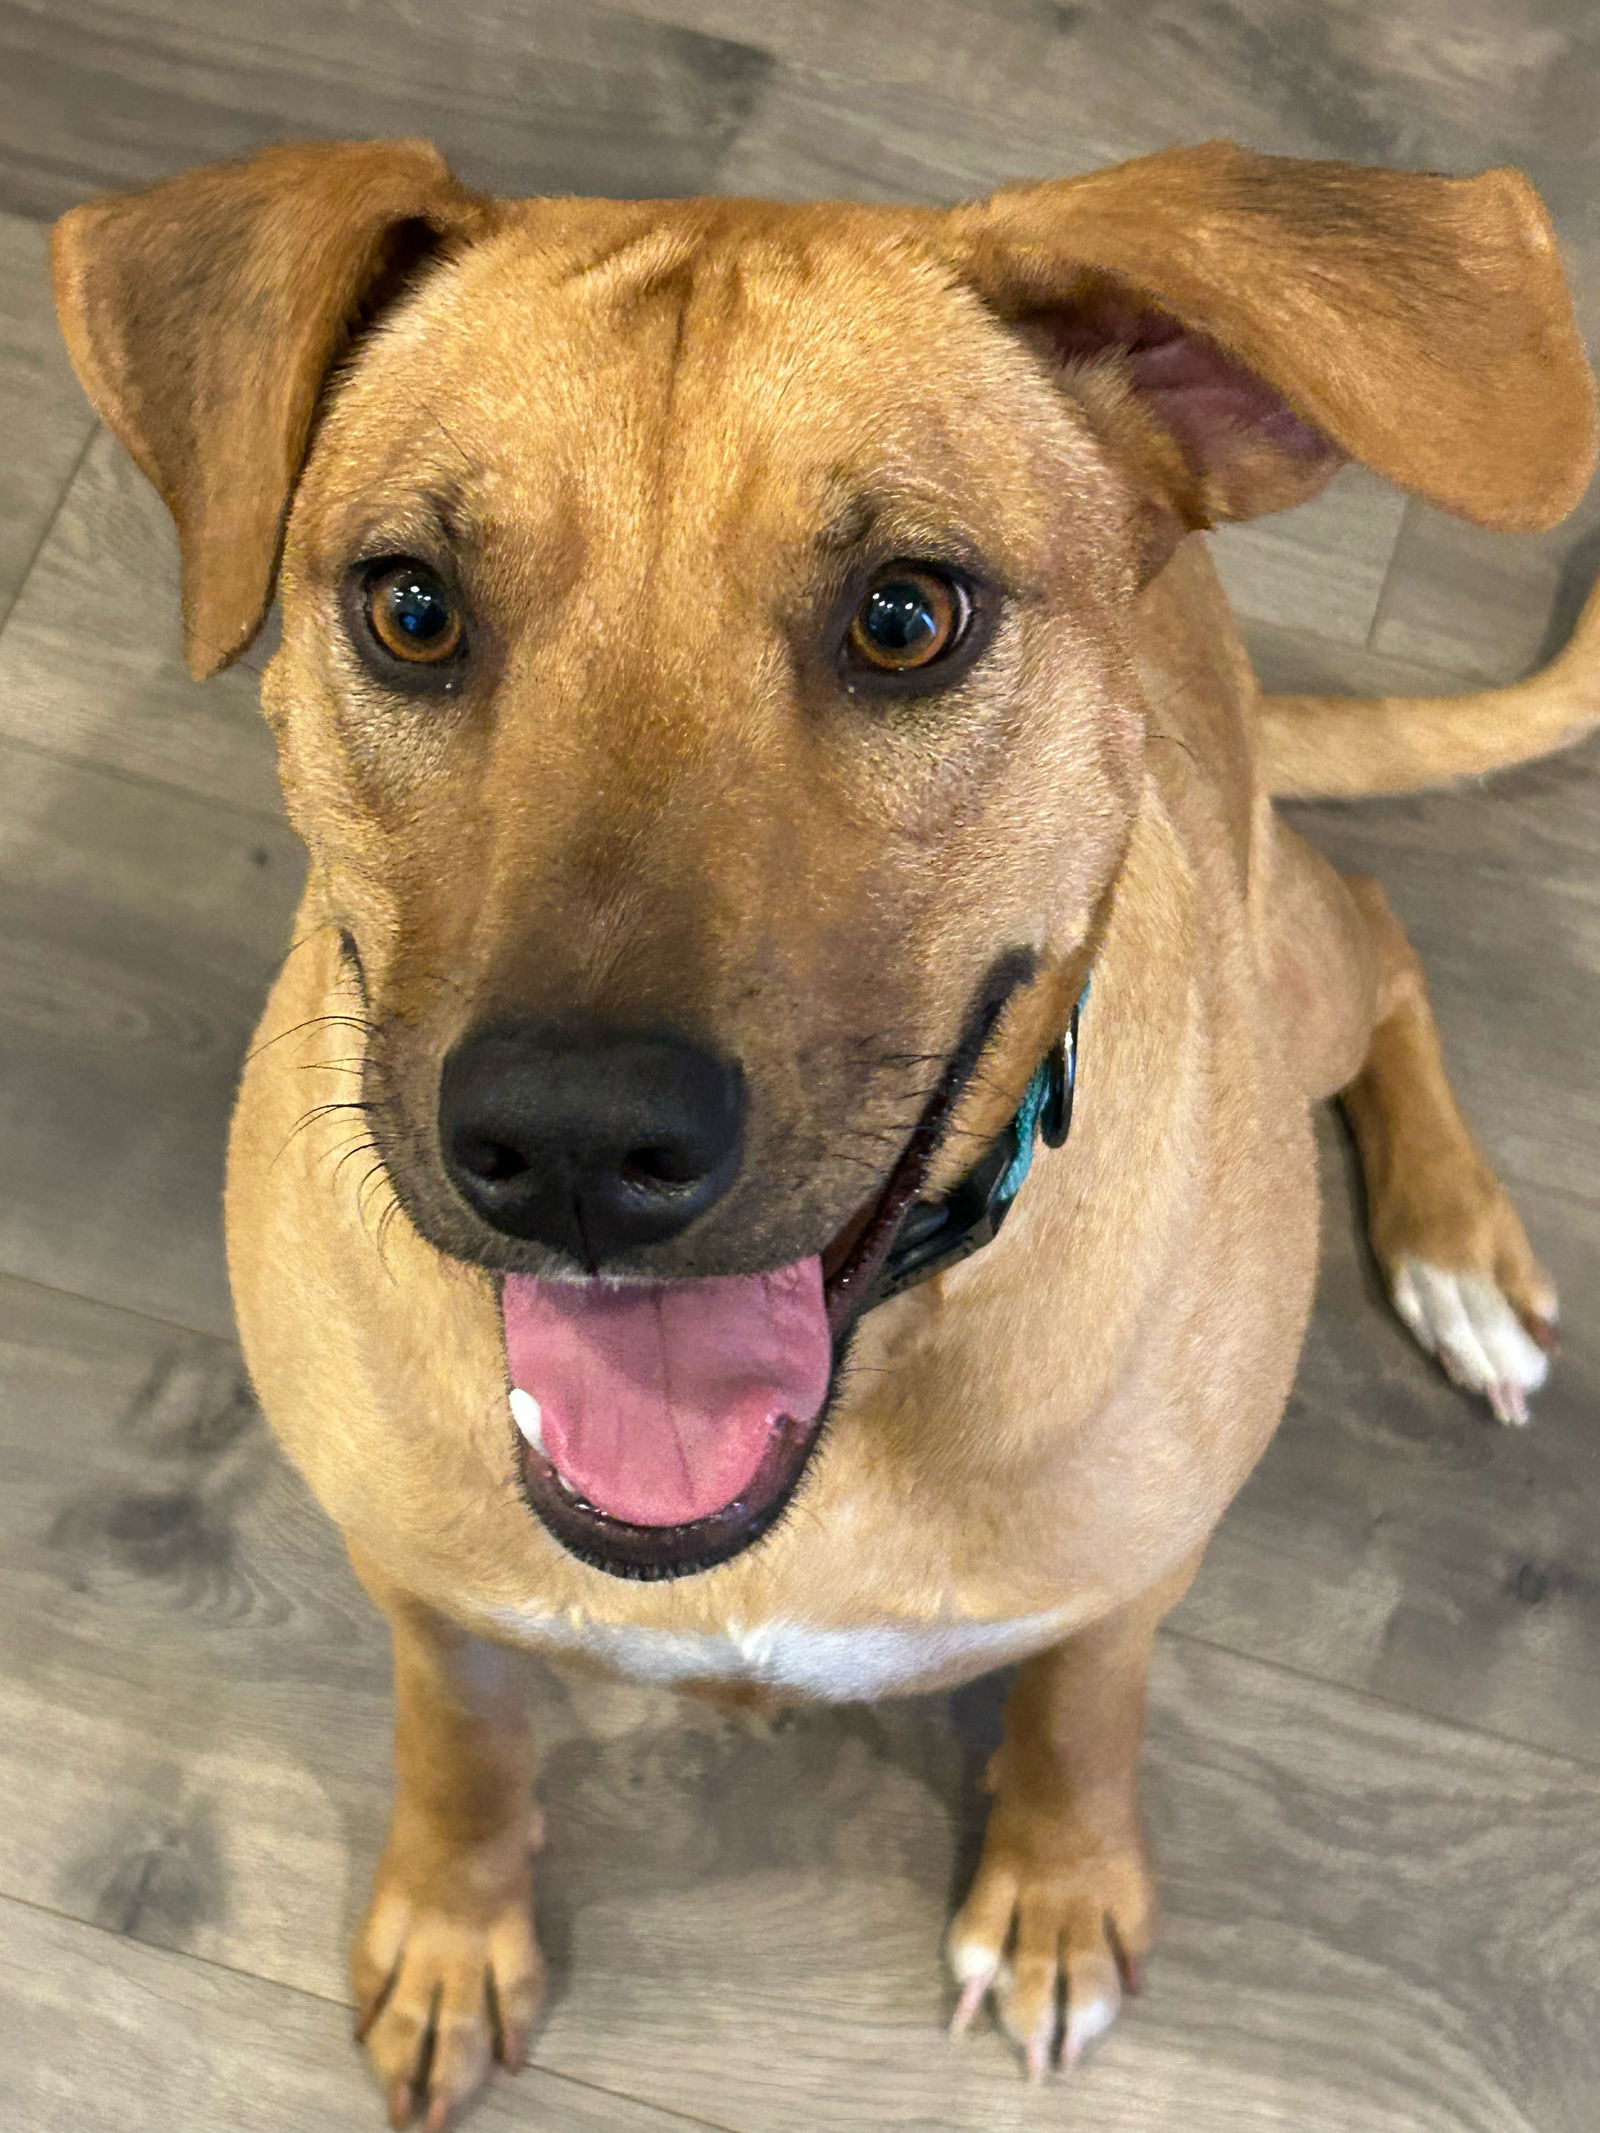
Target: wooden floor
x,y
1374,1770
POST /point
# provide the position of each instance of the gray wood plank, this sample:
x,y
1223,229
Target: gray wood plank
x,y
1319,569
931,97
1377,1924
138,930
182,1648
91,654
1397,1539
527,96
1334,1874
44,418
145,2041
1499,887
931,103
1298,662
1483,605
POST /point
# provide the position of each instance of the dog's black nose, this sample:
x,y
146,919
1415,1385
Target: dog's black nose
x,y
594,1147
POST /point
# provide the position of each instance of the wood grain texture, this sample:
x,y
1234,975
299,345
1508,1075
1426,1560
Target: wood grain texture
x,y
1499,887
1300,663
946,97
44,418
1478,604
528,96
1321,1856
1320,569
183,1649
1396,1538
138,930
93,660
149,2042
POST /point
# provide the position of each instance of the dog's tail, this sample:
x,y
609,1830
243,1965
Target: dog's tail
x,y
1340,747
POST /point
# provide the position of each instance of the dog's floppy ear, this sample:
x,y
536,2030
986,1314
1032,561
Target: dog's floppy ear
x,y
203,316
1249,321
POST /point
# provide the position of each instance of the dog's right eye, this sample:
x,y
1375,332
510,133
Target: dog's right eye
x,y
411,613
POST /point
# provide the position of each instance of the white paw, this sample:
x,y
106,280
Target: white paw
x,y
1028,1994
1467,1323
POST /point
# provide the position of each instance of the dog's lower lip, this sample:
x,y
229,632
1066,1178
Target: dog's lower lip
x,y
658,1552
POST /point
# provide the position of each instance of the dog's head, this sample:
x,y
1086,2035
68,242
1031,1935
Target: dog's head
x,y
706,687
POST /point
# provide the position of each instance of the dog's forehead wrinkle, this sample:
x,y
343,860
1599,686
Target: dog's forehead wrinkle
x,y
635,261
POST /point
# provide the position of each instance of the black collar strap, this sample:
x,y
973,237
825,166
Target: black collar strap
x,y
937,1234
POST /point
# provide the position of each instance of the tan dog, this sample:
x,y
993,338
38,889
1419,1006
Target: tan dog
x,y
743,668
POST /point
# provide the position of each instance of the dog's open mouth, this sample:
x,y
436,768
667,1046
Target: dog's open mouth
x,y
665,1426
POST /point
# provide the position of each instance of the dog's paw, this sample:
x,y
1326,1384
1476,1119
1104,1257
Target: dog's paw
x,y
1057,1935
1483,1340
442,1994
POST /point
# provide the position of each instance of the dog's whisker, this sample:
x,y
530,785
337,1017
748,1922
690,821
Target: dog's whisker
x,y
313,933
330,1021
386,1222
327,1110
364,1145
310,1117
363,1202
347,1153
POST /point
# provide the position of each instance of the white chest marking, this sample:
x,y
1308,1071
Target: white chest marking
x,y
838,1665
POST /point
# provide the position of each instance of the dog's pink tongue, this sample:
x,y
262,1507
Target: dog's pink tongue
x,y
657,1404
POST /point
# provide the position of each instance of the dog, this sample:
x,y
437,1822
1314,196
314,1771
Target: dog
x,y
813,1019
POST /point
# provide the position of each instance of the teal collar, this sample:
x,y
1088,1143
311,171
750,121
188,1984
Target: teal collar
x,y
937,1234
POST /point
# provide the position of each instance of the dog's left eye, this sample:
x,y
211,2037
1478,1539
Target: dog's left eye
x,y
911,617
411,613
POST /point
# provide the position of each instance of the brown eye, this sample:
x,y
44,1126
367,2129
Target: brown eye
x,y
912,616
411,614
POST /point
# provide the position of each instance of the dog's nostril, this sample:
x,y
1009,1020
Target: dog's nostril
x,y
661,1169
493,1161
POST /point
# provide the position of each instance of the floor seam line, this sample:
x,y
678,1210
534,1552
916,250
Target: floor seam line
x,y
49,528
1566,1756
106,1303
325,1999
257,816
1370,641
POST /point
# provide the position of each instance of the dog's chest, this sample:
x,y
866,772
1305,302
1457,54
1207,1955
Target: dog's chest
x,y
887,1658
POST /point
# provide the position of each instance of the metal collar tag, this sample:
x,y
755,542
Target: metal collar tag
x,y
937,1234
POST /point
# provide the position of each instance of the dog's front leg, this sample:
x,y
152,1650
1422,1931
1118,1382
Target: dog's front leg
x,y
447,1972
1063,1901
